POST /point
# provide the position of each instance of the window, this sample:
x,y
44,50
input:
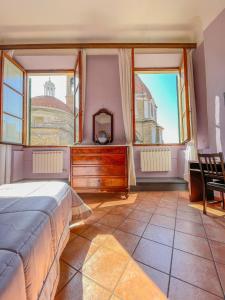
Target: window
x,y
183,102
160,99
78,101
12,101
156,103
51,109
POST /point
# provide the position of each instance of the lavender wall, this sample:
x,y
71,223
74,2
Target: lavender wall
x,y
201,96
17,164
22,164
214,44
28,164
103,91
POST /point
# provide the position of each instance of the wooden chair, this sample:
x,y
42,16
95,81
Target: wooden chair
x,y
213,175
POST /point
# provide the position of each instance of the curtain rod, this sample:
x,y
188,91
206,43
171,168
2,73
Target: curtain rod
x,y
96,46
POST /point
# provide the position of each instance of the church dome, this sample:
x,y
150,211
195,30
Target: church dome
x,y
50,102
141,88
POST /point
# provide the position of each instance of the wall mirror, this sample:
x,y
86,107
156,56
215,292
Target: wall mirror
x,y
103,127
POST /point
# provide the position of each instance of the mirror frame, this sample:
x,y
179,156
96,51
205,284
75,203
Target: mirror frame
x,y
103,110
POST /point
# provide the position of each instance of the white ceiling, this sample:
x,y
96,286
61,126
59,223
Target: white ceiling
x,y
158,60
46,59
27,21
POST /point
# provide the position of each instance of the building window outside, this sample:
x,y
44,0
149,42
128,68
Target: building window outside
x,y
156,108
51,109
12,102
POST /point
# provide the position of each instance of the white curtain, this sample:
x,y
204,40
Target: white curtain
x,y
125,70
5,163
84,71
191,147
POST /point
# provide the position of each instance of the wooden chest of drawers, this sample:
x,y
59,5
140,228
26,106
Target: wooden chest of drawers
x,y
99,169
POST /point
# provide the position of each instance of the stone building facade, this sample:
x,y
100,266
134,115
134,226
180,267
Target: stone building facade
x,y
52,120
148,131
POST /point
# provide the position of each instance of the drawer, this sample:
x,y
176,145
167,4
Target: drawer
x,y
99,150
116,170
98,159
97,182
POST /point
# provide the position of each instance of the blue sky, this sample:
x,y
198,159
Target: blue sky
x,y
37,86
164,91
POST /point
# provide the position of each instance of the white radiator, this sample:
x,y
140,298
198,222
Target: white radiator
x,y
47,161
156,160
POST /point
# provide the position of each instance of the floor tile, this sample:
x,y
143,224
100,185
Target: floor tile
x,y
167,204
114,298
183,194
159,234
180,290
192,244
105,267
154,255
78,251
215,233
190,228
163,221
93,204
196,270
150,208
136,283
218,251
169,212
66,273
121,210
112,220
210,220
97,215
79,228
189,216
221,271
72,236
83,288
131,251
149,202
187,208
149,196
97,233
122,242
133,226
140,215
159,278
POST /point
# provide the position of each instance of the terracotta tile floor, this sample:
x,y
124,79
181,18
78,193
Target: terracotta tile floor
x,y
153,245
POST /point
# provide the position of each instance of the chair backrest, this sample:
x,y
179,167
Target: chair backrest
x,y
212,165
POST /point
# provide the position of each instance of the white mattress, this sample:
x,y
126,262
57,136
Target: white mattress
x,y
12,282
34,222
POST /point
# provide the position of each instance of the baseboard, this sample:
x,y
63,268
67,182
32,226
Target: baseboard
x,y
160,184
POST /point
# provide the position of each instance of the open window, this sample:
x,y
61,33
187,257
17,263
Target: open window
x,y
12,108
51,103
48,112
160,97
78,100
184,107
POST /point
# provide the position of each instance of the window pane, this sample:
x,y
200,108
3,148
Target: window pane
x,y
13,76
77,109
156,108
52,109
76,80
185,128
12,129
183,101
12,102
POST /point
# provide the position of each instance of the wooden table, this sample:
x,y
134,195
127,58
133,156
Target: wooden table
x,y
196,185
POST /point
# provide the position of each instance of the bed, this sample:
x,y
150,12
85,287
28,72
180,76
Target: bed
x,y
34,229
